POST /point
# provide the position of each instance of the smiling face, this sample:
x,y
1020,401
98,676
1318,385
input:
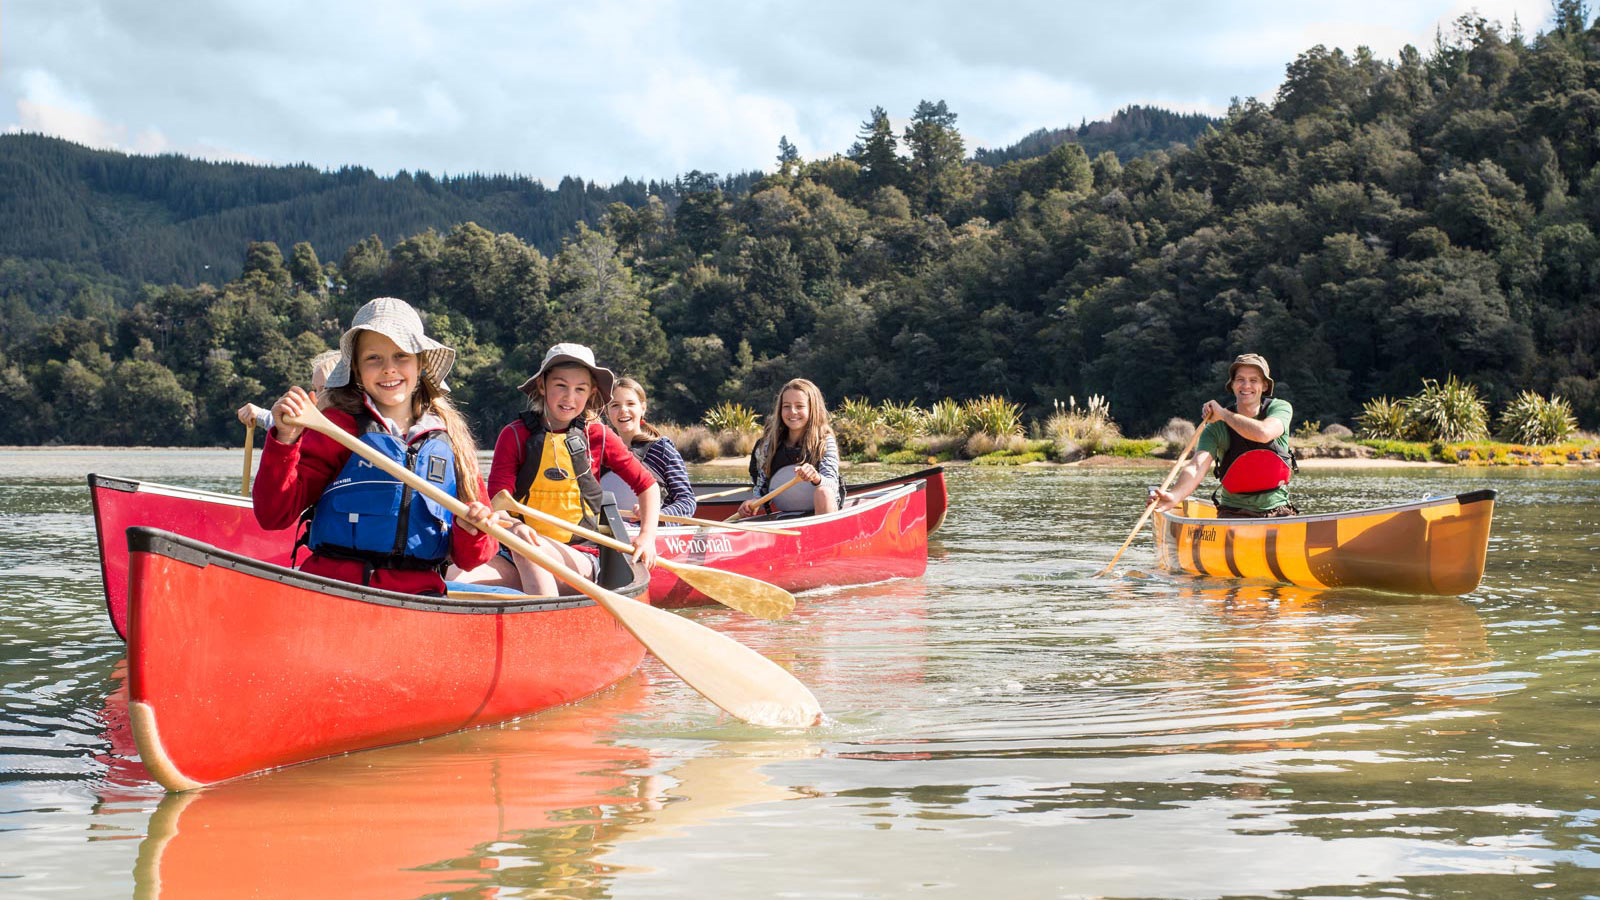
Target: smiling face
x,y
1249,386
567,390
626,411
795,410
387,373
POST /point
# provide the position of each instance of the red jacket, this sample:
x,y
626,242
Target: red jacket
x,y
607,452
292,478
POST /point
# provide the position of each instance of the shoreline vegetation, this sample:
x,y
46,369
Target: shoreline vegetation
x,y
992,431
1443,424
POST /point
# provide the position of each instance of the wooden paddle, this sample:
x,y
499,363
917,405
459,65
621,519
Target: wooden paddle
x,y
720,494
1151,506
739,680
763,501
713,523
249,449
741,592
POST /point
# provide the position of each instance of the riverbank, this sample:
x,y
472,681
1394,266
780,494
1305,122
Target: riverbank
x,y
1126,462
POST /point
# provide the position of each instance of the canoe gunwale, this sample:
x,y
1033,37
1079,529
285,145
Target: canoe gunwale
x,y
142,539
135,486
1464,499
854,505
851,490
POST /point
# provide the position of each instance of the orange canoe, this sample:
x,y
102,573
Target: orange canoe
x,y
1432,546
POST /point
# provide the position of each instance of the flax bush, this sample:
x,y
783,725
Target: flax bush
x,y
1382,419
901,422
731,417
1450,412
858,426
1531,419
945,417
993,415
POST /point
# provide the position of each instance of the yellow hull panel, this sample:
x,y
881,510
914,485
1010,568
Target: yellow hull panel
x,y
1434,546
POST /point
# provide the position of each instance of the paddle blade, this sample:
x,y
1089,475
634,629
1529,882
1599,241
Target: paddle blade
x,y
739,680
741,592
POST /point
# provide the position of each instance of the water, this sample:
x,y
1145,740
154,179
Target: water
x,y
1008,725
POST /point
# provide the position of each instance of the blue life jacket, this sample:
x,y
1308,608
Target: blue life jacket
x,y
367,515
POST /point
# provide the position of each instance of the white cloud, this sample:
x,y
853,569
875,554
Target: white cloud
x,y
649,88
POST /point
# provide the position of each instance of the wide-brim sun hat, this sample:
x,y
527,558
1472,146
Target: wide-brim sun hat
x,y
1251,359
579,355
396,320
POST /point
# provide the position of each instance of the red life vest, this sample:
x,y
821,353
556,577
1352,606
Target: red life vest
x,y
1254,467
1256,471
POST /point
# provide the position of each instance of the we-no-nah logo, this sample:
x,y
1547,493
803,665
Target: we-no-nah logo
x,y
678,546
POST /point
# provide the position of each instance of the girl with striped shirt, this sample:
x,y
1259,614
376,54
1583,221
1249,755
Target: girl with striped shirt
x,y
626,412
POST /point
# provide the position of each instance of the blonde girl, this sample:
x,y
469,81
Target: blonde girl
x,y
797,441
388,390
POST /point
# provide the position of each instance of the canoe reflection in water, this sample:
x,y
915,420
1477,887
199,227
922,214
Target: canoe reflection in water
x,y
1252,667
530,805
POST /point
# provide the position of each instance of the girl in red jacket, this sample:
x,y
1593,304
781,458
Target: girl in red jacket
x,y
551,458
388,390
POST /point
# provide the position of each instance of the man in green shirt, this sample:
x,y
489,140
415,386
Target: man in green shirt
x,y
1257,421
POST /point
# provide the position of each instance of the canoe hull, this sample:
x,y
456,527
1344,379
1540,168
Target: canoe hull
x,y
237,666
224,521
937,501
875,537
1435,546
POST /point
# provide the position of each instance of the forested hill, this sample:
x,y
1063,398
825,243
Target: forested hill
x,y
171,219
1378,223
1133,131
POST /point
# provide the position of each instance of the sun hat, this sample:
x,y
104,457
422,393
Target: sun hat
x,y
1250,359
574,354
397,321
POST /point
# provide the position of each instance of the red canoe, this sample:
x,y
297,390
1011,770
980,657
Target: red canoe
x,y
879,534
237,665
937,499
225,521
876,535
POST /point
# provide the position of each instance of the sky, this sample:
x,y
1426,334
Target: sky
x,y
607,89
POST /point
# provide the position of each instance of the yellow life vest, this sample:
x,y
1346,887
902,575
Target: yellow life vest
x,y
556,485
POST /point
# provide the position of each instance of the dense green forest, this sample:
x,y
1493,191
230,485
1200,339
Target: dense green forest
x,y
1378,223
170,219
1132,132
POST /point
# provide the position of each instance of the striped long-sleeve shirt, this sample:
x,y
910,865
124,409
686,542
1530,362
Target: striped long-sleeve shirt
x,y
666,463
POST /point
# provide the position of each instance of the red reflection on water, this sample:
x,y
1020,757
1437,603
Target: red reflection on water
x,y
397,822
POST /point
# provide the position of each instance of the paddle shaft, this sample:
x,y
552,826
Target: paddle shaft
x,y
742,592
504,502
729,674
249,449
764,500
720,494
1150,507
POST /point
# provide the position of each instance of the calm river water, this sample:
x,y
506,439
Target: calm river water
x,y
1007,726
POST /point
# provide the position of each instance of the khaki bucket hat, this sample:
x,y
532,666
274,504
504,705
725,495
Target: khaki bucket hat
x,y
574,354
1250,359
397,321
